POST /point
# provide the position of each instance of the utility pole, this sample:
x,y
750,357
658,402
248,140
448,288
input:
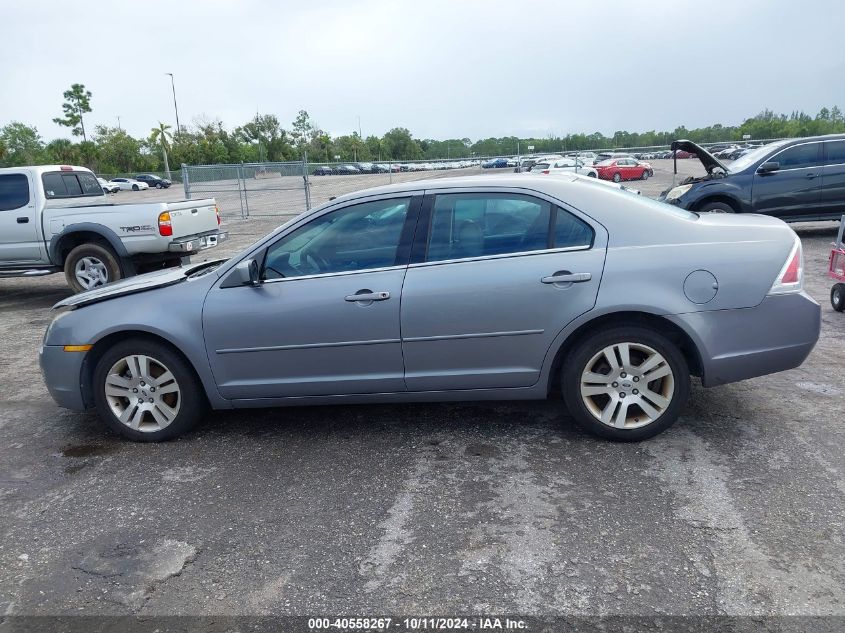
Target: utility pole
x,y
175,107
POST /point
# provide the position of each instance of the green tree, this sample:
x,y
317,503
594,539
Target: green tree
x,y
266,132
23,144
77,102
162,135
301,130
400,145
62,150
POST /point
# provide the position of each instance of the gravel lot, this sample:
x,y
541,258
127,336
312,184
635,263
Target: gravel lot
x,y
427,509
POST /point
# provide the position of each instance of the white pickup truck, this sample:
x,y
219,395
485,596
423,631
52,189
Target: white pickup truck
x,y
56,218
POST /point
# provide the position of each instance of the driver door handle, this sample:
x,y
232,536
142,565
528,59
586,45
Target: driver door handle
x,y
811,175
366,295
567,278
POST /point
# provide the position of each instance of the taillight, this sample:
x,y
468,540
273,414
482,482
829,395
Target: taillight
x,y
791,276
164,227
545,171
217,211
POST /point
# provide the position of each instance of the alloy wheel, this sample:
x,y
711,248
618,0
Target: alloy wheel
x,y
627,385
90,272
142,393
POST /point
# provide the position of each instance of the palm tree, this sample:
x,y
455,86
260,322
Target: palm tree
x,y
162,134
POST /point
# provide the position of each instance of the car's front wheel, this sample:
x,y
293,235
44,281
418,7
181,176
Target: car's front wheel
x,y
158,185
135,188
717,207
147,392
645,174
626,383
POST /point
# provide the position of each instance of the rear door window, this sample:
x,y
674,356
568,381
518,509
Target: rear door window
x,y
14,191
477,225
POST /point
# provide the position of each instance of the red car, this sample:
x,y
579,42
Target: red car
x,y
617,169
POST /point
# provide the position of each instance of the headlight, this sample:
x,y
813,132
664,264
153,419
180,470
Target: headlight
x,y
677,192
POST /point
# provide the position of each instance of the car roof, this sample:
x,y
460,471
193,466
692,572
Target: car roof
x,y
576,190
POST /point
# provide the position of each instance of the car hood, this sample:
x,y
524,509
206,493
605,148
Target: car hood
x,y
707,159
140,283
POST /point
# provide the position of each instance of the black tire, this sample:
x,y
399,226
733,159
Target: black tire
x,y
716,207
191,398
592,175
585,350
135,188
97,252
645,175
837,297
617,177
159,185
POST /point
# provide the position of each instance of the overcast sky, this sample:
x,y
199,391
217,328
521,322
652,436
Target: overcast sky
x,y
443,69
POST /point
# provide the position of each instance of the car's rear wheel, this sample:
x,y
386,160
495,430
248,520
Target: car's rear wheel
x,y
89,266
717,207
627,383
617,177
147,392
645,174
837,297
135,188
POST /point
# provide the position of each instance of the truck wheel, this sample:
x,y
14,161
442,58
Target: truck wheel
x,y
626,383
91,265
147,392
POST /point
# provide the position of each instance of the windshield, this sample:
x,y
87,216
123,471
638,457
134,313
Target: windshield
x,y
753,156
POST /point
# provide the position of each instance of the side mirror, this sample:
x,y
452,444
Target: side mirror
x,y
767,168
247,273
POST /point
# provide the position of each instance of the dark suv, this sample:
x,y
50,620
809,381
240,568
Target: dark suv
x,y
801,179
154,181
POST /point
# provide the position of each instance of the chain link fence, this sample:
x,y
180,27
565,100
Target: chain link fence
x,y
284,189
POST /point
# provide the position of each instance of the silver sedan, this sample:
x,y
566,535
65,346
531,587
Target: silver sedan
x,y
452,289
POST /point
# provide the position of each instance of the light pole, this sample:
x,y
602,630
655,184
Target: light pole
x,y
175,107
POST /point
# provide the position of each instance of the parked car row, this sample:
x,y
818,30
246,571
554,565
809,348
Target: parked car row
x,y
138,183
346,169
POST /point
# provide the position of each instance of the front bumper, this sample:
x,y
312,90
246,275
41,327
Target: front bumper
x,y
197,243
776,335
62,373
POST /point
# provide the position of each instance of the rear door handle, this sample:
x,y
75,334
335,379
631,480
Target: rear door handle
x,y
23,220
368,296
566,277
811,175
